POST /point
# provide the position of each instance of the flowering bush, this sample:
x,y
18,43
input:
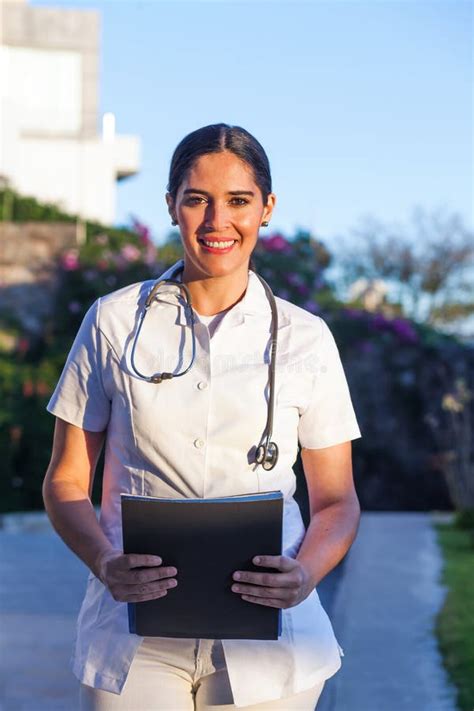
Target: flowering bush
x,y
404,377
295,269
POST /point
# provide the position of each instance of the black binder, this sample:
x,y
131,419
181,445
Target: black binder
x,y
206,540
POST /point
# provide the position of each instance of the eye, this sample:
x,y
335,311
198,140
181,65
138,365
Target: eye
x,y
196,200
242,201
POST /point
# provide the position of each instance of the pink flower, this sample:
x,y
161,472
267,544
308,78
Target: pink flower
x,y
28,388
142,231
70,260
150,254
276,243
130,253
23,345
42,388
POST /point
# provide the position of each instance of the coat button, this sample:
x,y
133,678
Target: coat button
x,y
202,385
199,443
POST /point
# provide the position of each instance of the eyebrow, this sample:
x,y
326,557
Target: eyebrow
x,y
229,192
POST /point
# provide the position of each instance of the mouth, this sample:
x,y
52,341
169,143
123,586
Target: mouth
x,y
217,245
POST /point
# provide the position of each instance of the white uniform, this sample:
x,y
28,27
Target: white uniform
x,y
195,436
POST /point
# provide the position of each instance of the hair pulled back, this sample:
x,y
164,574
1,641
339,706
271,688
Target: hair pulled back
x,y
216,138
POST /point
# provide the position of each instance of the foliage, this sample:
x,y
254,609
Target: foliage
x,y
464,519
109,260
296,269
428,272
399,374
455,623
18,208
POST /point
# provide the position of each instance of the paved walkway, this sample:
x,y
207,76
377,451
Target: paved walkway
x,y
382,599
383,616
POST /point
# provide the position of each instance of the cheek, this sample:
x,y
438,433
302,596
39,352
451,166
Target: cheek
x,y
188,217
250,222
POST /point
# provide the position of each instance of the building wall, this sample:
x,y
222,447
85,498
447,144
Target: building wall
x,y
51,144
86,170
55,52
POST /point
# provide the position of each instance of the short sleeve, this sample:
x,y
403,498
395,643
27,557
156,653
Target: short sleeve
x,y
329,417
80,397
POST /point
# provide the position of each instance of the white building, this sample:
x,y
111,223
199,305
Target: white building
x,y
50,144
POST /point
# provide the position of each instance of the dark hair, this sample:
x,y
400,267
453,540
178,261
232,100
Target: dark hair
x,y
216,138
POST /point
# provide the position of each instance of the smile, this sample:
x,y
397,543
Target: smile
x,y
221,245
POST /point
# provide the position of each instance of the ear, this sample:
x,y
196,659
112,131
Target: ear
x,y
170,203
268,210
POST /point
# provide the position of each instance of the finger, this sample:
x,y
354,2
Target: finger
x,y
141,560
144,597
147,575
279,593
146,590
122,572
152,588
281,562
268,602
271,580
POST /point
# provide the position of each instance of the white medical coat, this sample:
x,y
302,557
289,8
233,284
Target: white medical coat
x,y
195,436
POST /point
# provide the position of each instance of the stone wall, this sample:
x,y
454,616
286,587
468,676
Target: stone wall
x,y
29,255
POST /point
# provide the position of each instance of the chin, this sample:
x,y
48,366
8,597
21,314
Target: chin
x,y
220,266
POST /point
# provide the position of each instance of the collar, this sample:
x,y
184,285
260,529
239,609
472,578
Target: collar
x,y
254,302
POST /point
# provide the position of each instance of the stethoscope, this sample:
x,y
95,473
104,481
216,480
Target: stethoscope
x,y
266,453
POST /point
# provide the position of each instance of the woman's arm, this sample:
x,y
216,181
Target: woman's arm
x,y
67,489
335,515
334,509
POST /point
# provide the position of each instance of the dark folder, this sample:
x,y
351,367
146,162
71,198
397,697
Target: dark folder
x,y
206,540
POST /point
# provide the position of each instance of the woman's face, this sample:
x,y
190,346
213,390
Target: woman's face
x,y
219,210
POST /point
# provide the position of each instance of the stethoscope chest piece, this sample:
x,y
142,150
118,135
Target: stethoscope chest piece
x,y
267,455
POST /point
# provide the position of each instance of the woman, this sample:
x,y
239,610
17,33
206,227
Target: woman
x,y
194,436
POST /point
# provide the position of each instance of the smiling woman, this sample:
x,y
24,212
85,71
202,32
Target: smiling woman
x,y
219,206
194,437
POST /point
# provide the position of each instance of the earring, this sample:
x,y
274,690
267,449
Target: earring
x,y
265,224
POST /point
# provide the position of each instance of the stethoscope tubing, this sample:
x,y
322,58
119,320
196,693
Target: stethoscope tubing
x,y
267,451
159,377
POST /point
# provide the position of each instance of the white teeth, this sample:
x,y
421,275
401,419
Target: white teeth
x,y
218,245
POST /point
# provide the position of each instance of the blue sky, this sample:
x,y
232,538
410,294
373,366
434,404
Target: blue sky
x,y
364,108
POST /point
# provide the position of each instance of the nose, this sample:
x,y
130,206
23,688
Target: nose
x,y
217,216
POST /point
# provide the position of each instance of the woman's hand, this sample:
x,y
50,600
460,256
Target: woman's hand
x,y
134,577
286,588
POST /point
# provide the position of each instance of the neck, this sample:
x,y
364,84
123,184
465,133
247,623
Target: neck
x,y
213,294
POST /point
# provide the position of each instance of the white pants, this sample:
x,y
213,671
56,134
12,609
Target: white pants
x,y
183,675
